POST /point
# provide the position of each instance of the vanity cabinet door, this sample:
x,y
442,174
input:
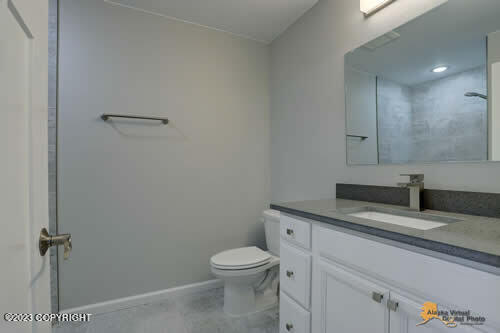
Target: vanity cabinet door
x,y
349,303
407,315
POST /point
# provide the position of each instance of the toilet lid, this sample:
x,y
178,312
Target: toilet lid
x,y
242,258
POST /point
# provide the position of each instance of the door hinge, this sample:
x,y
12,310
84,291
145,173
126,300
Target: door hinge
x,y
392,305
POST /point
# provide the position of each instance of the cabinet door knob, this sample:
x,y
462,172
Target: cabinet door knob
x,y
289,273
289,232
377,297
289,327
392,305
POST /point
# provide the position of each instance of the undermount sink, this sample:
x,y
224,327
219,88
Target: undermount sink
x,y
410,219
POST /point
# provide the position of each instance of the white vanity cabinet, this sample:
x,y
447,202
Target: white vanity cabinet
x,y
335,280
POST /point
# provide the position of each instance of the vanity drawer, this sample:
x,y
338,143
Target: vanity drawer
x,y
296,231
293,318
295,274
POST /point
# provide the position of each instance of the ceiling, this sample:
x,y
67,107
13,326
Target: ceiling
x,y
452,35
261,20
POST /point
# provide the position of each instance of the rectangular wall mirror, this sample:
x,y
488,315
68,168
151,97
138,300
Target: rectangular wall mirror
x,y
428,91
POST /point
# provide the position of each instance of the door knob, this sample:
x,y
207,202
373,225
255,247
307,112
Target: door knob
x,y
47,241
377,297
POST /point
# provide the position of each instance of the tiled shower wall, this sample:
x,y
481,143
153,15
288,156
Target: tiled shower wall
x,y
433,121
394,121
52,137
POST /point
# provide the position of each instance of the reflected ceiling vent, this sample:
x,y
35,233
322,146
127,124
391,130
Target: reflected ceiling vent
x,y
382,40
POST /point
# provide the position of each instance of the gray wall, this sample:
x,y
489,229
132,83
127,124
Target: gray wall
x,y
433,121
307,113
148,204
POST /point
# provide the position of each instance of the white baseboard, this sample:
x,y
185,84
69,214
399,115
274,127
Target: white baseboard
x,y
127,302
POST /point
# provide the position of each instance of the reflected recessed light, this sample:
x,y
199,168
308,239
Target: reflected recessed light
x,y
369,7
440,69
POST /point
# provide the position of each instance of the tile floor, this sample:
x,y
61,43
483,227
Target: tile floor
x,y
196,313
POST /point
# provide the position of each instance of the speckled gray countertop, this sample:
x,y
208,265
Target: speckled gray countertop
x,y
473,238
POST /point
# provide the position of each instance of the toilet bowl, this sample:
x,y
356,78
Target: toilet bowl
x,y
250,275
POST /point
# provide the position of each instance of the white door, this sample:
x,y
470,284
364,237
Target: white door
x,y
349,303
24,284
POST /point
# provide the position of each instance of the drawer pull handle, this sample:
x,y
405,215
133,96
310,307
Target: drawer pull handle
x,y
289,274
289,327
377,297
289,232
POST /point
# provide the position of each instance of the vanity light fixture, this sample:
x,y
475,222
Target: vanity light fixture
x,y
370,7
440,69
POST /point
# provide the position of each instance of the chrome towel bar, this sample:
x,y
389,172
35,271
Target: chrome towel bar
x,y
357,136
106,116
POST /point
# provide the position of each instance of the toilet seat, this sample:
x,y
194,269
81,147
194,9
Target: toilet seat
x,y
234,273
240,259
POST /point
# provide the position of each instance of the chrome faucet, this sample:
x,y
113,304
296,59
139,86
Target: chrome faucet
x,y
416,187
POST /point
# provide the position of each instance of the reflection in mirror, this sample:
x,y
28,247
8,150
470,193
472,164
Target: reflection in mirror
x,y
428,91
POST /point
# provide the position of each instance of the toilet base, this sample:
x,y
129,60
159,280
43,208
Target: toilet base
x,y
241,301
247,291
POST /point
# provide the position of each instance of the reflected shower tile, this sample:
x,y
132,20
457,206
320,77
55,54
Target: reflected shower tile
x,y
472,148
440,119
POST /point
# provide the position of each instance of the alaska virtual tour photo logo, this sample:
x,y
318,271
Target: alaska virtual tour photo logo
x,y
450,318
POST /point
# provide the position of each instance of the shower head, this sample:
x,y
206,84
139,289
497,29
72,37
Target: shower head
x,y
475,94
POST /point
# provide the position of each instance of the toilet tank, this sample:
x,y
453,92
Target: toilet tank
x,y
271,220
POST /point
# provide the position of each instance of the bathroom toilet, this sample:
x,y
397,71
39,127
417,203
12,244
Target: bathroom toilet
x,y
251,275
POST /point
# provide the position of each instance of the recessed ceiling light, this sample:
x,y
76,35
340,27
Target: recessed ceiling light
x,y
369,7
440,69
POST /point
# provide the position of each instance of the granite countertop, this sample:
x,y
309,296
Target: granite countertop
x,y
474,238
